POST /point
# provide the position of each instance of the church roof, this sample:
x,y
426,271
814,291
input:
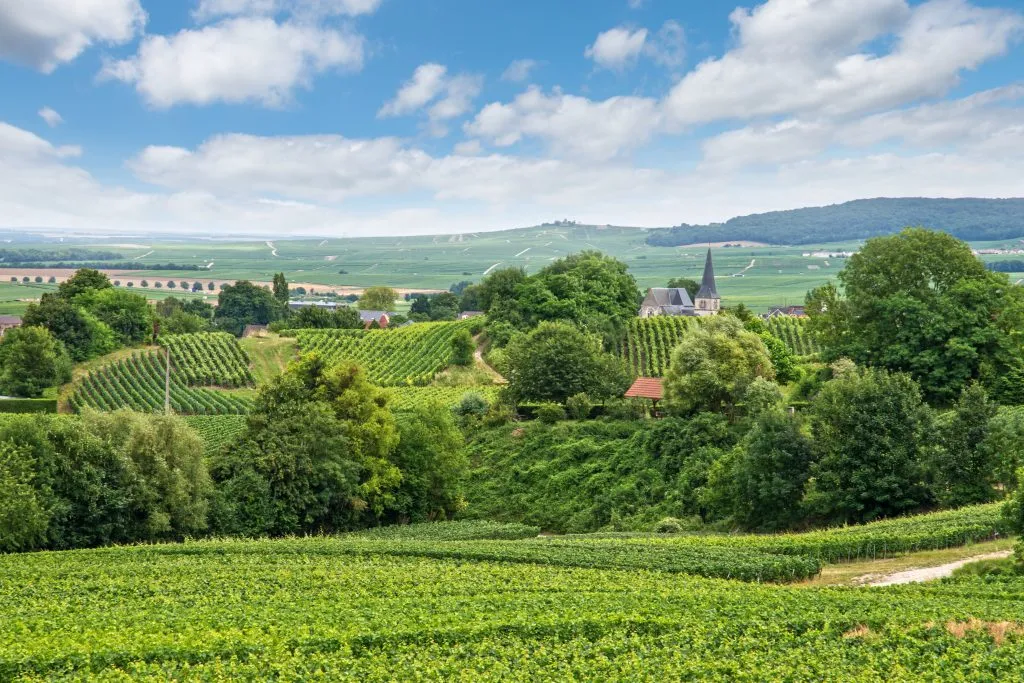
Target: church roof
x,y
665,296
707,283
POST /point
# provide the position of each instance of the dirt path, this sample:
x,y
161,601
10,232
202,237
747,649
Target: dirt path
x,y
931,573
478,355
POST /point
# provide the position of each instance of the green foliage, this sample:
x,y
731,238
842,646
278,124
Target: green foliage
x,y
965,468
762,396
872,435
82,334
967,219
463,347
315,455
280,289
244,303
549,413
84,280
594,474
713,366
1004,444
216,431
795,334
31,360
463,530
128,315
180,322
28,405
458,398
23,519
782,359
433,466
920,302
691,286
315,317
471,405
377,299
500,286
556,361
405,356
579,406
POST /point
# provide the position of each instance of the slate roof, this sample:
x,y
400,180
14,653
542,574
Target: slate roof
x,y
646,387
707,283
664,296
370,316
9,320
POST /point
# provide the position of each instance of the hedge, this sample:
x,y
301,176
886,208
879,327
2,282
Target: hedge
x,y
28,405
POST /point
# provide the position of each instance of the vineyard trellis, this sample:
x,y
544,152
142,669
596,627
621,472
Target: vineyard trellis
x,y
793,332
209,359
648,345
407,356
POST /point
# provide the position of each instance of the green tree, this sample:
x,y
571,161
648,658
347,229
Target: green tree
x,y
1004,443
965,469
444,306
181,322
781,357
84,280
769,471
128,315
920,302
280,289
433,463
500,285
713,366
315,455
691,286
23,517
83,335
244,303
378,299
471,299
31,360
463,347
872,434
557,360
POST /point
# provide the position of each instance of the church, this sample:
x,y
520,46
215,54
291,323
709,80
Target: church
x,y
676,301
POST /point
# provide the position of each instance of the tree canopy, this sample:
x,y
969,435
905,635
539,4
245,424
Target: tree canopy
x,y
32,360
245,303
378,299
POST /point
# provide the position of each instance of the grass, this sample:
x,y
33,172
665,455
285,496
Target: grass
x,y
854,573
269,355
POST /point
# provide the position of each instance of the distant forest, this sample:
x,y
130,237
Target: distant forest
x,y
20,256
968,219
1007,266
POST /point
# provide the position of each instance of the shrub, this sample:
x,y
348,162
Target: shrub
x,y
669,525
625,409
550,413
579,406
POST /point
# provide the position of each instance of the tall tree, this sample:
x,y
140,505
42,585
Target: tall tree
x,y
84,280
965,468
872,435
32,360
81,333
280,289
128,315
713,366
244,303
378,299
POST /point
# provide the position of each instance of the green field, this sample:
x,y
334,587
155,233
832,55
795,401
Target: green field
x,y
757,276
442,601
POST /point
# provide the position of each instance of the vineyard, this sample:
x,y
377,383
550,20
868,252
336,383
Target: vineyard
x,y
649,343
410,398
137,382
793,331
406,356
209,359
441,602
217,430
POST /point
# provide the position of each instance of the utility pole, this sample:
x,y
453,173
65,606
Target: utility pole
x,y
167,381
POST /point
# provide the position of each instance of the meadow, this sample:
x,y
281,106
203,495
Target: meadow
x,y
447,601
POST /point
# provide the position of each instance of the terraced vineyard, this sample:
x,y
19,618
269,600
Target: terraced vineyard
x,y
410,398
209,359
432,603
793,331
406,356
217,430
649,343
137,382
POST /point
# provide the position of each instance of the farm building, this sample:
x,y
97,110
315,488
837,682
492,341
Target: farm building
x,y
793,311
370,317
8,322
676,301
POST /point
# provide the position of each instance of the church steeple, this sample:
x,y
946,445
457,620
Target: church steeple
x,y
707,301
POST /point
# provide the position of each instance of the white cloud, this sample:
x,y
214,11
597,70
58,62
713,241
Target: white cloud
x,y
238,60
452,96
469,148
668,46
44,34
16,143
519,70
617,48
426,83
635,4
571,125
211,9
807,56
52,118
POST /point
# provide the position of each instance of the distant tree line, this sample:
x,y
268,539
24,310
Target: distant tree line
x,y
71,254
967,219
1006,266
125,265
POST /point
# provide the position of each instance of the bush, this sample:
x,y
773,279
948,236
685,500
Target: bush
x,y
579,406
550,413
669,525
28,405
625,409
499,415
471,406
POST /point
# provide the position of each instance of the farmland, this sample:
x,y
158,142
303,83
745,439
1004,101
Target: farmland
x,y
406,356
441,605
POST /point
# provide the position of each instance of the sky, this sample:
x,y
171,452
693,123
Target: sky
x,y
386,117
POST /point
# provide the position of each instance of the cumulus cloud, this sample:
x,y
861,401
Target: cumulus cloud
x,y
519,70
617,48
249,59
571,125
812,56
52,118
44,34
452,96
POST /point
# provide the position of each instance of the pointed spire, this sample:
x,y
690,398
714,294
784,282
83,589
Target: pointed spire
x,y
707,283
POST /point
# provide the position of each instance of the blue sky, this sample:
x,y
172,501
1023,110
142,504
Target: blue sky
x,y
353,117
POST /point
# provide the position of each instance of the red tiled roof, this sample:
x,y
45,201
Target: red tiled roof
x,y
646,387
